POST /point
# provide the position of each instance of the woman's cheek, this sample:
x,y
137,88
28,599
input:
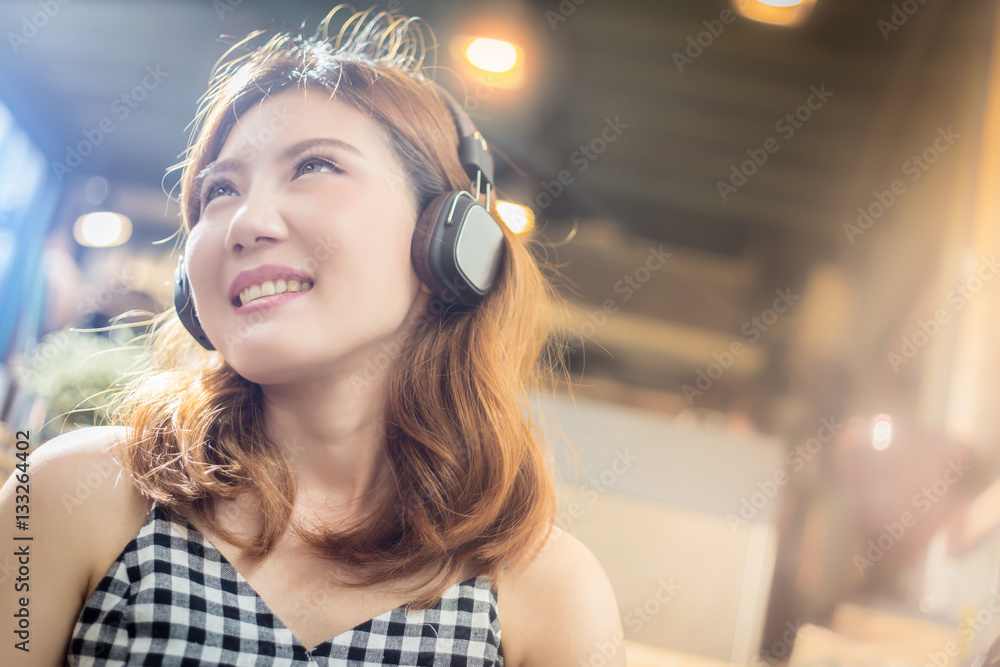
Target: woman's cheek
x,y
202,265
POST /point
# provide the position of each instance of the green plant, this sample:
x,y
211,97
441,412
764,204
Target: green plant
x,y
77,374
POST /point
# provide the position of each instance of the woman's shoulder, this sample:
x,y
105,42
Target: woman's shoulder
x,y
68,511
87,493
82,468
558,607
86,441
82,465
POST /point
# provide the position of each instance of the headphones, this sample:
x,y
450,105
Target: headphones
x,y
457,245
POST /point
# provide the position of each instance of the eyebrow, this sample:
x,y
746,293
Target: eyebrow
x,y
235,165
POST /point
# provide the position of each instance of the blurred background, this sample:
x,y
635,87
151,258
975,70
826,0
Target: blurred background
x,y
777,226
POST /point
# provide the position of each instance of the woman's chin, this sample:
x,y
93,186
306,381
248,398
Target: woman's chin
x,y
270,375
266,363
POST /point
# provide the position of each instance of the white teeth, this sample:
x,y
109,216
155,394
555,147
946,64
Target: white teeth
x,y
271,287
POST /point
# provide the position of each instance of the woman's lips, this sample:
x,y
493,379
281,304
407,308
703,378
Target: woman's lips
x,y
268,302
261,274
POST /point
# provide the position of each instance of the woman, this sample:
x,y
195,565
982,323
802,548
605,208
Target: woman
x,y
348,478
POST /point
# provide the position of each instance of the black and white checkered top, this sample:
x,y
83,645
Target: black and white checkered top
x,y
172,599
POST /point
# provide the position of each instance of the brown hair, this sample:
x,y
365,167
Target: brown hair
x,y
470,476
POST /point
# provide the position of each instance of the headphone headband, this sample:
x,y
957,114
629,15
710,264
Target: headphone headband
x,y
472,149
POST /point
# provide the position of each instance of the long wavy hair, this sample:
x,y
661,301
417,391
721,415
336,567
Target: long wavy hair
x,y
470,478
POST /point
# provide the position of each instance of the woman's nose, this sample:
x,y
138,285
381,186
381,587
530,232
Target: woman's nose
x,y
256,222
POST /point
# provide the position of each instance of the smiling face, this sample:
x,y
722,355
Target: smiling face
x,y
305,190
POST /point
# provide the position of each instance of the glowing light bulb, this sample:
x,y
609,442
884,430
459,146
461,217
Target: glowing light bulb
x,y
518,218
881,433
788,13
492,55
102,229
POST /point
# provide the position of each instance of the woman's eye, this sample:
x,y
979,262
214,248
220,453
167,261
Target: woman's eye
x,y
216,190
315,165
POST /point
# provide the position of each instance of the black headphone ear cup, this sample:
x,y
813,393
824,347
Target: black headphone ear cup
x,y
428,225
184,306
457,248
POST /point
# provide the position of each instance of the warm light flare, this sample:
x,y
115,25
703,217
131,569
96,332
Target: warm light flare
x,y
787,13
102,229
518,218
881,432
492,55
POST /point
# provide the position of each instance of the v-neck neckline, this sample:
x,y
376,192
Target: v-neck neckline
x,y
240,579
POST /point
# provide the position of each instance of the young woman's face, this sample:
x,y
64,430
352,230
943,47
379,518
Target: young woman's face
x,y
304,192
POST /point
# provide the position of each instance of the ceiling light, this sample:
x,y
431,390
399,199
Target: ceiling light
x,y
882,432
776,12
518,218
102,229
492,55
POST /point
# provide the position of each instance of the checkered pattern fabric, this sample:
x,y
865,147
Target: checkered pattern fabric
x,y
172,599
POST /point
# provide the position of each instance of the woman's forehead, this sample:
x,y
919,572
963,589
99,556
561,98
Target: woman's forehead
x,y
292,116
